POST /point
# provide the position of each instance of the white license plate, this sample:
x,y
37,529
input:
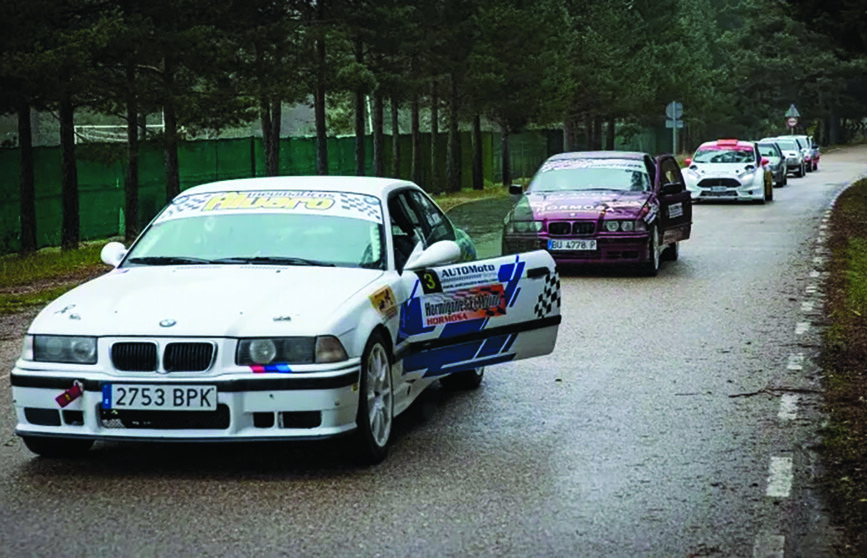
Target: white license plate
x,y
583,244
141,397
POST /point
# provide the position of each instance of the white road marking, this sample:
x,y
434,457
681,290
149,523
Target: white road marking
x,y
801,328
812,289
807,306
796,362
814,274
818,261
769,546
780,477
788,407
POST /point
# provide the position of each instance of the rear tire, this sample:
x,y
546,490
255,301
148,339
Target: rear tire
x,y
465,380
375,403
57,447
671,252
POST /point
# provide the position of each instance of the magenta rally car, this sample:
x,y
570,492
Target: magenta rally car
x,y
602,207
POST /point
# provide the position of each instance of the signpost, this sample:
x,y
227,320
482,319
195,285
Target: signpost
x,y
792,118
673,112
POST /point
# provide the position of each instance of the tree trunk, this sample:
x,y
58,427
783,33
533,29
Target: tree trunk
x,y
568,134
69,231
434,181
378,138
27,184
453,149
271,119
588,131
415,172
478,173
359,116
597,133
130,210
173,179
395,140
507,155
319,101
609,135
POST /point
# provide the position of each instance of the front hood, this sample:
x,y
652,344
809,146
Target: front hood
x,y
204,301
586,205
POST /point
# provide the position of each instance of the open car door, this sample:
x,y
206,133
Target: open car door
x,y
675,201
480,313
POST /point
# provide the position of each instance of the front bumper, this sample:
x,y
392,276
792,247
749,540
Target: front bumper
x,y
727,189
610,250
263,406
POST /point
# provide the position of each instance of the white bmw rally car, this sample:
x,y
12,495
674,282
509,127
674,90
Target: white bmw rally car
x,y
278,308
728,169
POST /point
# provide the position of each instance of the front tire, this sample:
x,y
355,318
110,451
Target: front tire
x,y
375,402
57,447
650,268
465,380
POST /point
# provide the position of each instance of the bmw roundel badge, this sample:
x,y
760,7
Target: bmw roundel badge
x,y
168,322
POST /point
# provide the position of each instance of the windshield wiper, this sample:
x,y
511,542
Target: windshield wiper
x,y
272,260
167,260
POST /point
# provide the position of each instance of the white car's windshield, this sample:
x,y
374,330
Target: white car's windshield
x,y
724,156
590,178
767,150
262,235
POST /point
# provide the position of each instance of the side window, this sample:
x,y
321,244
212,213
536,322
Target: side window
x,y
406,228
670,171
436,224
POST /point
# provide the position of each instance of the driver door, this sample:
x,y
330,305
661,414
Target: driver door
x,y
675,208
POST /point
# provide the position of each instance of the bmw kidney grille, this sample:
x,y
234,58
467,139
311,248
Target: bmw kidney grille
x,y
177,357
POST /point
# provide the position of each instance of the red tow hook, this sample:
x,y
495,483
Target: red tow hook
x,y
70,395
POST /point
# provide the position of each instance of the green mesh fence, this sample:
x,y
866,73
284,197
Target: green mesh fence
x,y
102,174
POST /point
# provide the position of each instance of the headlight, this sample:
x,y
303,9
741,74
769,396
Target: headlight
x,y
62,348
524,226
289,350
625,226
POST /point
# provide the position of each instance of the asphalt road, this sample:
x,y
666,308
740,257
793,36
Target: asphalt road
x,y
676,417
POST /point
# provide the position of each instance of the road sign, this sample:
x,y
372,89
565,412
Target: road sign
x,y
674,123
792,122
674,110
792,112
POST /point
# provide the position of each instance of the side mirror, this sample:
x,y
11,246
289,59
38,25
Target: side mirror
x,y
765,161
113,253
438,253
688,161
516,189
670,188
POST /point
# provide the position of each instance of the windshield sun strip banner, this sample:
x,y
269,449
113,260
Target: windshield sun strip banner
x,y
625,164
339,204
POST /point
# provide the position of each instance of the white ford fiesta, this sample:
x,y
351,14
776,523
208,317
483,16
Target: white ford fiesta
x,y
278,308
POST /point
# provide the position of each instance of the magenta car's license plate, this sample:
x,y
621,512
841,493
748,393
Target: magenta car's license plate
x,y
581,244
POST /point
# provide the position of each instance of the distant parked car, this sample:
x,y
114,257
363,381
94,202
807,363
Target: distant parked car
x,y
776,161
729,170
603,208
795,163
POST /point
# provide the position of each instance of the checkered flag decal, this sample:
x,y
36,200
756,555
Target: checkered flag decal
x,y
184,204
366,205
549,296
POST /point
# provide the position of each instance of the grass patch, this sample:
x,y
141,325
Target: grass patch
x,y
844,444
47,264
449,201
37,279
